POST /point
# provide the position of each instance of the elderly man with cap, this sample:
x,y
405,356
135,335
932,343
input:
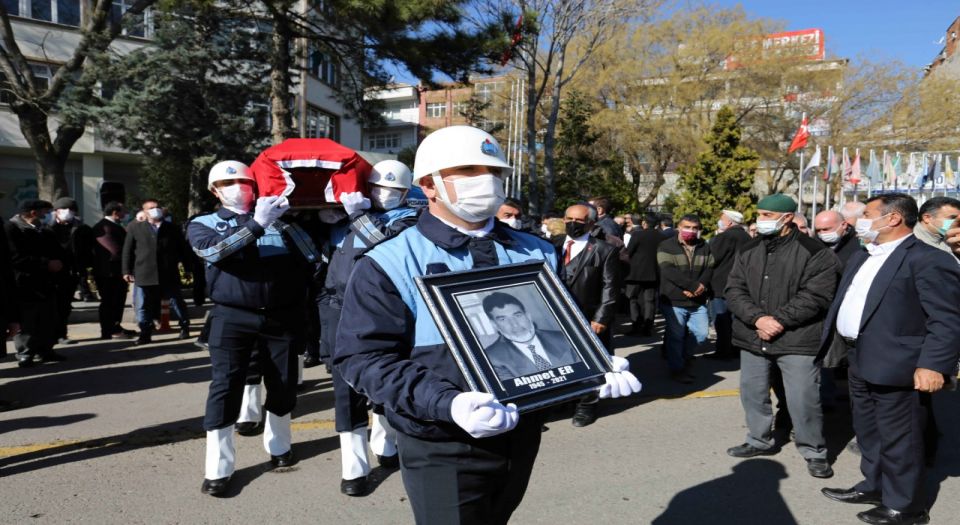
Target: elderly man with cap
x,y
76,239
834,231
725,246
779,291
36,259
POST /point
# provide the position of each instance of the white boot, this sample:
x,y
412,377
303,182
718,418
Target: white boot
x,y
251,407
277,435
383,438
300,359
353,454
221,453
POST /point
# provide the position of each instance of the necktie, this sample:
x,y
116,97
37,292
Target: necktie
x,y
541,363
567,250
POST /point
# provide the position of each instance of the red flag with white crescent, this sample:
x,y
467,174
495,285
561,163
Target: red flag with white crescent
x,y
800,139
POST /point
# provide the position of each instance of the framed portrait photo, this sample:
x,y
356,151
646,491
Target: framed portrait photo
x,y
516,333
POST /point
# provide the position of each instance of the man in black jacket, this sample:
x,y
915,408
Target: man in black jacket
x,y
643,278
725,247
686,269
109,237
36,258
604,209
9,307
76,239
152,252
894,319
779,291
833,231
590,269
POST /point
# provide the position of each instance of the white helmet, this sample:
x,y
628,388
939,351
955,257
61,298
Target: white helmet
x,y
457,146
228,170
391,174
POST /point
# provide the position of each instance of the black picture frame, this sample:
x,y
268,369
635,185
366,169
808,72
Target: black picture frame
x,y
492,349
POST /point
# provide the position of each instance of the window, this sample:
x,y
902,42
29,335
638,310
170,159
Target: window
x,y
12,7
68,12
323,66
6,96
459,108
65,12
42,73
41,10
139,25
436,109
384,141
321,125
486,91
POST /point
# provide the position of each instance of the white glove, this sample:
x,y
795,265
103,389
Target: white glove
x,y
620,382
269,209
354,202
481,415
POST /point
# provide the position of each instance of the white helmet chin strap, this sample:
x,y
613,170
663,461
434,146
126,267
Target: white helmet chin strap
x,y
440,186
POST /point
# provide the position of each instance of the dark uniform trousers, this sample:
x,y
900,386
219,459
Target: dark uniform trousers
x,y
349,407
38,324
235,335
889,422
472,481
113,296
66,287
643,303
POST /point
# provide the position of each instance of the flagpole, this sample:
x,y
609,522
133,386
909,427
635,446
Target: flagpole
x,y
816,195
883,169
826,187
800,186
873,159
896,177
843,174
856,182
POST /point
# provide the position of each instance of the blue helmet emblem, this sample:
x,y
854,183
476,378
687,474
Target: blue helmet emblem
x,y
390,177
231,170
489,148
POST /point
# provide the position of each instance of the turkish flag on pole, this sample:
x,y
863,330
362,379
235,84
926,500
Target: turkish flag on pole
x,y
800,139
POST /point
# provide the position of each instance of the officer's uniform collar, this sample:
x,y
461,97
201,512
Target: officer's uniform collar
x,y
449,238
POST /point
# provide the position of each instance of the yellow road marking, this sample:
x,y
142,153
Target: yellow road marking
x,y
149,440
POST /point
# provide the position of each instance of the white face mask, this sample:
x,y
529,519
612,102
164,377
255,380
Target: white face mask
x,y
769,227
720,225
829,237
65,215
387,198
237,198
155,213
478,197
865,229
512,222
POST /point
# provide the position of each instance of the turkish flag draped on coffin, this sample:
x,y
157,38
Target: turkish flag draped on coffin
x,y
310,172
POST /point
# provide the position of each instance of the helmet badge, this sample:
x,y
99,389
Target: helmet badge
x,y
489,148
231,170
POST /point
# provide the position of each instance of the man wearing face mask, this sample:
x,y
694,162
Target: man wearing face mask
x,y
36,259
109,236
724,247
464,457
258,269
779,290
511,213
834,231
937,216
152,253
894,319
686,269
372,221
591,272
76,239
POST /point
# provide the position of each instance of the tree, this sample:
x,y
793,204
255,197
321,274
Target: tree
x,y
195,97
722,175
41,107
477,112
584,169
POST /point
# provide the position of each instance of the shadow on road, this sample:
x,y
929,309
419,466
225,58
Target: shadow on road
x,y
751,495
42,422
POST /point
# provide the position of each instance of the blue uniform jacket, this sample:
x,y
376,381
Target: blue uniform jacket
x,y
389,348
249,267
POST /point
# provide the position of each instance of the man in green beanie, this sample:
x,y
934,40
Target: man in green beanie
x,y
779,290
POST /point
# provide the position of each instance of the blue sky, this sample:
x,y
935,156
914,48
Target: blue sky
x,y
906,30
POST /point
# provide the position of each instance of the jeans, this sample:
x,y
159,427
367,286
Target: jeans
x,y
686,329
146,300
723,323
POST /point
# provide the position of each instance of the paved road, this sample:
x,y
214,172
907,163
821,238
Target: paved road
x,y
113,436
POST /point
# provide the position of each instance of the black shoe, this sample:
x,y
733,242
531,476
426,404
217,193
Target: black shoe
x,y
249,428
747,450
201,344
184,333
585,414
66,341
819,468
682,377
52,357
852,496
286,459
354,487
128,333
389,462
143,340
215,487
118,335
310,361
25,361
886,516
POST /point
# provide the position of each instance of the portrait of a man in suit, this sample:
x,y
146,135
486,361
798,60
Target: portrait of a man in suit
x,y
521,347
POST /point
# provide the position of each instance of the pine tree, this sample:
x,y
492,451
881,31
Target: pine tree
x,y
723,174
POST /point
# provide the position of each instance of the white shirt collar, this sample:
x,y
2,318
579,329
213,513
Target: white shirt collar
x,y
479,232
583,238
887,247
